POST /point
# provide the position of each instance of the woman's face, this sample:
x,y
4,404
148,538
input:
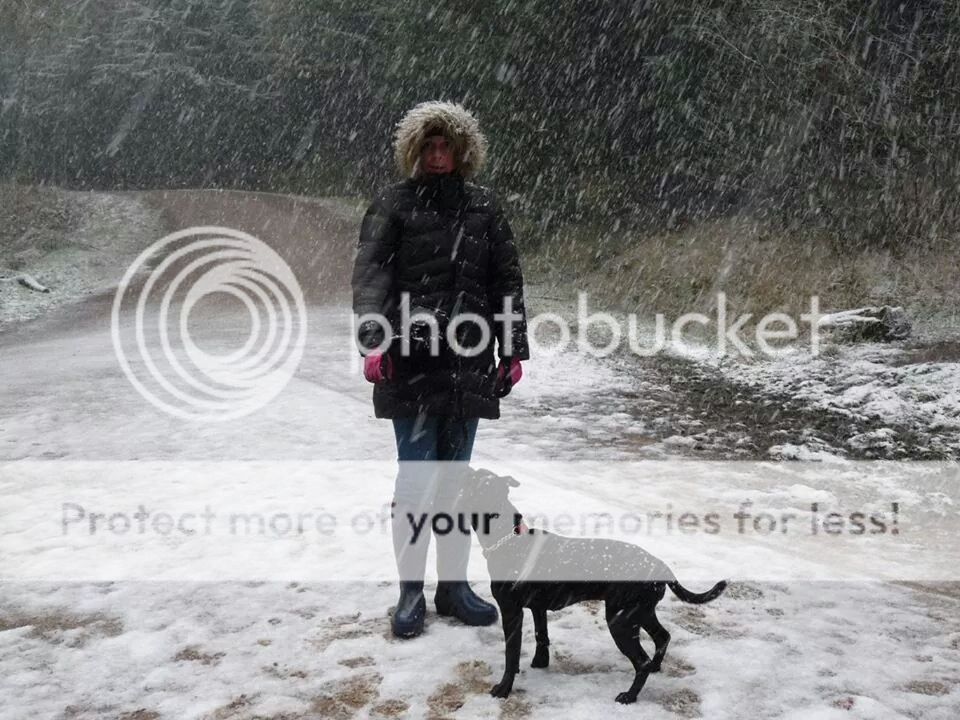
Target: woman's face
x,y
437,155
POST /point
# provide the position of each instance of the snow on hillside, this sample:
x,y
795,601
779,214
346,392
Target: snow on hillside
x,y
112,230
874,382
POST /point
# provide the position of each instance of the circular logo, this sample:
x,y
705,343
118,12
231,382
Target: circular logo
x,y
239,369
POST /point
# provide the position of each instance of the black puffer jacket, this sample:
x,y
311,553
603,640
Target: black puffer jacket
x,y
447,243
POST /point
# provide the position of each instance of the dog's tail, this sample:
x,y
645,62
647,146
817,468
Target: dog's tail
x,y
697,598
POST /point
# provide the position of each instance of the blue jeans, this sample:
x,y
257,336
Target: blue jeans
x,y
419,489
434,438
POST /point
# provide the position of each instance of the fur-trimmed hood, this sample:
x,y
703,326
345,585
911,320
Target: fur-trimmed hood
x,y
457,124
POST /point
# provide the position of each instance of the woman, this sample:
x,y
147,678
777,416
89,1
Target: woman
x,y
433,248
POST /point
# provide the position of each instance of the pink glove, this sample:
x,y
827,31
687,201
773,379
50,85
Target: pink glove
x,y
509,373
377,367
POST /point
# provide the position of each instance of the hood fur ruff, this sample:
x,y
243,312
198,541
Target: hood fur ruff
x,y
457,124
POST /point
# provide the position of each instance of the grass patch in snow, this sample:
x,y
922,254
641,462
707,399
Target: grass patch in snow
x,y
34,221
762,270
61,626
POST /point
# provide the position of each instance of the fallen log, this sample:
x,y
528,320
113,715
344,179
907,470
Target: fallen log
x,y
28,281
882,323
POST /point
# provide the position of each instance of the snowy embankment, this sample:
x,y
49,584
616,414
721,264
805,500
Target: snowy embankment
x,y
858,400
243,644
109,234
912,402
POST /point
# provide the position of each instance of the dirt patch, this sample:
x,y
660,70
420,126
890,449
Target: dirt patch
x,y
684,702
390,708
844,703
568,665
231,709
284,673
778,639
927,687
62,627
592,606
351,627
694,620
307,613
513,708
355,662
192,653
346,698
743,591
88,712
691,619
675,667
473,677
141,714
338,620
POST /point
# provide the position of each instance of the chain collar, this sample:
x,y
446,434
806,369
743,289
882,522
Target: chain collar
x,y
487,552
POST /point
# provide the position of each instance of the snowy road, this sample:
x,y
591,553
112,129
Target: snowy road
x,y
319,645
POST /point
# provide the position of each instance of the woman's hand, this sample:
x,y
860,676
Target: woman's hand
x,y
377,368
369,334
509,373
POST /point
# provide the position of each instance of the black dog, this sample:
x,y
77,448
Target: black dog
x,y
522,561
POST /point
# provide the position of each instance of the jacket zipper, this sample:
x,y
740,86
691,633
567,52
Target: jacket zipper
x,y
457,267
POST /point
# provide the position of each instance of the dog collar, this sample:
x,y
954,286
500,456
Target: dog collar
x,y
487,552
518,530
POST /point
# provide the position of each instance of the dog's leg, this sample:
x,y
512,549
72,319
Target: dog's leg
x,y
541,658
512,616
661,638
626,634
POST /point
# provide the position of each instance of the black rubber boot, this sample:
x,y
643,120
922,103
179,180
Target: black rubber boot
x,y
459,600
454,595
411,609
411,559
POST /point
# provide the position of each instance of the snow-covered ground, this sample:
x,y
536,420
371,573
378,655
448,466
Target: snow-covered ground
x,y
871,382
869,400
147,627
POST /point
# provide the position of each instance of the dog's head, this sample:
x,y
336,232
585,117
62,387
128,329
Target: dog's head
x,y
484,498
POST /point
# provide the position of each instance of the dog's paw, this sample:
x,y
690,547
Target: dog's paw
x,y
540,660
502,689
626,698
